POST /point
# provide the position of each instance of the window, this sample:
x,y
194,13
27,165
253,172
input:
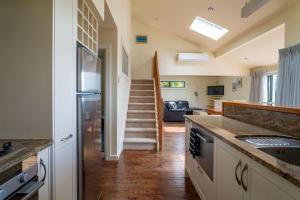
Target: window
x,y
271,87
208,28
124,62
173,84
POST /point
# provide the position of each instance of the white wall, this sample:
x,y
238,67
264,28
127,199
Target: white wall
x,y
193,84
168,45
100,4
120,84
241,93
199,84
26,69
110,37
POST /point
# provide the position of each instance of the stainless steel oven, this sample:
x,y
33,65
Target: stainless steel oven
x,y
202,149
21,182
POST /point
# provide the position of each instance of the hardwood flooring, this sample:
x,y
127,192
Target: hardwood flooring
x,y
149,175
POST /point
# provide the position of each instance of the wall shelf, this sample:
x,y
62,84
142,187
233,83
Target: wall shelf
x,y
87,27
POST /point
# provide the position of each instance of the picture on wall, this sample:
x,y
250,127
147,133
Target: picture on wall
x,y
239,82
141,39
234,86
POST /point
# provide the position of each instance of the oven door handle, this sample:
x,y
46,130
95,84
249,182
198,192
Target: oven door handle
x,y
34,189
37,185
44,168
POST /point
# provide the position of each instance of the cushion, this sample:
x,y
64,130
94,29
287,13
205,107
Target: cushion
x,y
171,105
182,104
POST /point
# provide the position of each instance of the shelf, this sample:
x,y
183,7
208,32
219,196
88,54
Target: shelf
x,y
87,26
211,101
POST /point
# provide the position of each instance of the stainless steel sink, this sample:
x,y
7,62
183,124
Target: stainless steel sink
x,y
283,148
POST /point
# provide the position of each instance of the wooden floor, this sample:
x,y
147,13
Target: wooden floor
x,y
149,175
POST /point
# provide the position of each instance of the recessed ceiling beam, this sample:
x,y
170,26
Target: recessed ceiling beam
x,y
251,7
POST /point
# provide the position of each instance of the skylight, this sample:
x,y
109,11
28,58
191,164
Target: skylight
x,y
208,28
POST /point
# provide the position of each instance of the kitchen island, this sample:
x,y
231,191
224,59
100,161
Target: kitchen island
x,y
240,171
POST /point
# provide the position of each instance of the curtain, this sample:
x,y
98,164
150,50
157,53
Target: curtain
x,y
288,84
258,90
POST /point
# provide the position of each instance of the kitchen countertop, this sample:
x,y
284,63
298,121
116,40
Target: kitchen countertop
x,y
226,129
31,147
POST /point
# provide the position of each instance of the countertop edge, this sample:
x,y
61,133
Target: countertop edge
x,y
23,155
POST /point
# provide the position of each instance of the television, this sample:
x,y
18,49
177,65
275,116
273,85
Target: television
x,y
217,90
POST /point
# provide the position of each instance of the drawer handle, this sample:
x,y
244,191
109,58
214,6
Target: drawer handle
x,y
66,138
236,175
245,169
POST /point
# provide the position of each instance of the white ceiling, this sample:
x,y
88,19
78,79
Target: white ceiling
x,y
261,51
176,16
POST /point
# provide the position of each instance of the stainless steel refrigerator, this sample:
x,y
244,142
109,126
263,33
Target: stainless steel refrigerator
x,y
88,124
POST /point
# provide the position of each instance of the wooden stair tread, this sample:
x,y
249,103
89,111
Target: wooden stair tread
x,y
142,84
140,120
140,140
141,103
142,90
141,111
142,97
140,129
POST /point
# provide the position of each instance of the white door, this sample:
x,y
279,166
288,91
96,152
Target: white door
x,y
228,166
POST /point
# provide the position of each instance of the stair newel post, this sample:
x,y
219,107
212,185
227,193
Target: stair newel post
x,y
159,100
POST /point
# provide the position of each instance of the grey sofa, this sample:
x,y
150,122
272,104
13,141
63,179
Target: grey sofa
x,y
174,111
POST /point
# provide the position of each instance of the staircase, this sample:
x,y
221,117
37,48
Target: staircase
x,y
141,126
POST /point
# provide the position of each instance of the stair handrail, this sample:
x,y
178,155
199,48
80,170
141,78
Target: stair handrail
x,y
159,100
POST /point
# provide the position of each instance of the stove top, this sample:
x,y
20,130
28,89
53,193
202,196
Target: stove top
x,y
8,148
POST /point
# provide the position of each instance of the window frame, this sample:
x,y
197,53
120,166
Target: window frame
x,y
170,84
271,87
125,62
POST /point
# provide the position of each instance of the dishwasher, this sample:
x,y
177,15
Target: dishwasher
x,y
202,149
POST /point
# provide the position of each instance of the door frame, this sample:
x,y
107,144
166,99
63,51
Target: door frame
x,y
107,101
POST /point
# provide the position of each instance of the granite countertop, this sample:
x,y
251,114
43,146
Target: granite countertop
x,y
28,148
227,129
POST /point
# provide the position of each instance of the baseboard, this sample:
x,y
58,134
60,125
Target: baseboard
x,y
113,157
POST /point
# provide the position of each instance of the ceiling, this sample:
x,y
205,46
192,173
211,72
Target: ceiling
x,y
176,16
253,53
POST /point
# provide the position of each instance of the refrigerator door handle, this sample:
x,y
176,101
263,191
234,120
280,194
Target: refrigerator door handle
x,y
66,138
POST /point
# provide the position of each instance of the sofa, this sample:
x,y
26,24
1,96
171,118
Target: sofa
x,y
174,111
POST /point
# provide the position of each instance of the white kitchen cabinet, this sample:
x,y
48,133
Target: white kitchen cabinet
x,y
229,164
202,183
204,186
64,78
64,172
259,182
188,156
263,189
263,184
45,157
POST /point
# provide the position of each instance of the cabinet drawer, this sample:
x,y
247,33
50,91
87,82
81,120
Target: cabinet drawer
x,y
189,163
203,184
